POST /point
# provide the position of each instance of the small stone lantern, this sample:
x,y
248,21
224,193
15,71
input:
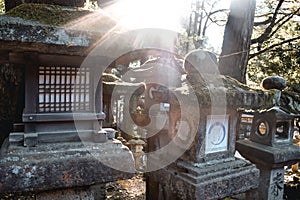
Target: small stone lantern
x,y
270,145
136,146
273,127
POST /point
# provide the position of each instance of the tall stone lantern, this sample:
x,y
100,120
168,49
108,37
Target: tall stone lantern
x,y
60,151
203,126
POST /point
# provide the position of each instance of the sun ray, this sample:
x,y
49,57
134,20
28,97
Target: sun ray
x,y
149,14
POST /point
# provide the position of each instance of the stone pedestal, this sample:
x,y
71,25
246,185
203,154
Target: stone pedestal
x,y
272,183
59,169
270,161
205,181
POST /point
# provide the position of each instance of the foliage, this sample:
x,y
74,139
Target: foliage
x,y
2,7
276,42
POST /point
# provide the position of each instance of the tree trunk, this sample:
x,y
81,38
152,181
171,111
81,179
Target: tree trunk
x,y
237,37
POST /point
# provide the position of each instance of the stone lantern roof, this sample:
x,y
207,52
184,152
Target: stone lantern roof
x,y
136,141
239,95
52,29
110,82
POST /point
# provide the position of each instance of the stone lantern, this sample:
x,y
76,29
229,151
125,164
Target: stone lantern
x,y
61,150
136,146
208,168
270,145
273,127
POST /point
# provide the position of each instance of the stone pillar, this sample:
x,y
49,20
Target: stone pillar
x,y
271,185
270,161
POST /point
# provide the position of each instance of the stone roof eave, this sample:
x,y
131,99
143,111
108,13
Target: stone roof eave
x,y
20,35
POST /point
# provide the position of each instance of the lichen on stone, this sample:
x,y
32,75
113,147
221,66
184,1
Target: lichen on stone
x,y
290,101
47,14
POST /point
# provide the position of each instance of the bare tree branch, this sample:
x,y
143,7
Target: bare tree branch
x,y
268,30
285,21
264,22
273,46
212,20
218,11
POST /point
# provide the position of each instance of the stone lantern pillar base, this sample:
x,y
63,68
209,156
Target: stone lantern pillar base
x,y
203,181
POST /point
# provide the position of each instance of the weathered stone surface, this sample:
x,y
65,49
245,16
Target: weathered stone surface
x,y
226,89
269,156
46,34
64,165
274,82
270,160
208,181
200,61
78,3
290,101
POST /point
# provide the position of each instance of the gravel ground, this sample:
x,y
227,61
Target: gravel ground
x,y
133,189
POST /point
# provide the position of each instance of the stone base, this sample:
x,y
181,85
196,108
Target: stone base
x,y
62,166
205,181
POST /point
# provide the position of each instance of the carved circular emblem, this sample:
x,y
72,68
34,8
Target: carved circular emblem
x,y
216,133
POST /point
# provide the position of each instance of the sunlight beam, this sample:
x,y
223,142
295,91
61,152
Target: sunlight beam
x,y
149,14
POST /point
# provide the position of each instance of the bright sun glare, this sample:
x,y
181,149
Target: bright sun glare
x,y
150,14
164,14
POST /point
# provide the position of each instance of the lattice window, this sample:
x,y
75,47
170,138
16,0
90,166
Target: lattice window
x,y
63,89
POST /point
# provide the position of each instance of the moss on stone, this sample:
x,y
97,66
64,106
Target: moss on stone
x,y
2,7
47,14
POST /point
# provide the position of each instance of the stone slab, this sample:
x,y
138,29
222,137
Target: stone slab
x,y
64,165
272,157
